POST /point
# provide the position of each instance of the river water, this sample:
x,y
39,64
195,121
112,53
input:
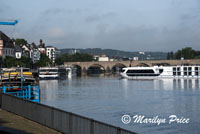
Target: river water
x,y
107,99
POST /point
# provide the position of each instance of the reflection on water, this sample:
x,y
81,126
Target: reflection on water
x,y
49,88
108,98
179,84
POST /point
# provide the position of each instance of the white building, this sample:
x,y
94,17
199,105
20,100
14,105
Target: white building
x,y
18,52
142,52
52,53
18,55
34,53
103,58
135,58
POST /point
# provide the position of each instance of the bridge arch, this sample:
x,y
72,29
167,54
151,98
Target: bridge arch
x,y
78,69
117,67
96,69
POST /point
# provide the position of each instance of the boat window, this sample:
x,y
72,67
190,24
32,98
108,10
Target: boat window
x,y
49,70
160,71
185,68
196,73
174,69
190,73
190,68
174,73
147,74
196,68
123,70
178,68
179,73
140,71
185,73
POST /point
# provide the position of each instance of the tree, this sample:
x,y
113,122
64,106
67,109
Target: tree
x,y
25,62
61,59
78,57
13,62
187,53
197,57
9,62
44,61
20,42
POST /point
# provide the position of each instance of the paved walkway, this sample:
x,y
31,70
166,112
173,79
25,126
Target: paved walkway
x,y
14,124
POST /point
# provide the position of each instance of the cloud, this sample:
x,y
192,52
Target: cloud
x,y
55,33
97,17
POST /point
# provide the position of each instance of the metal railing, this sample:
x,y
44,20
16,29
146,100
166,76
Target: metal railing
x,y
26,92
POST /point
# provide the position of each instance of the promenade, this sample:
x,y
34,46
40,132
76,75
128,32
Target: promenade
x,y
13,124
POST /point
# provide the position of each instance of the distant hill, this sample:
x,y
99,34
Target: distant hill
x,y
118,53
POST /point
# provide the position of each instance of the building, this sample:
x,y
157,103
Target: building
x,y
7,47
18,52
52,53
103,58
135,58
34,53
26,50
143,53
41,47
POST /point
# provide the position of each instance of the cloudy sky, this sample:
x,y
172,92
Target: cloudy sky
x,y
130,25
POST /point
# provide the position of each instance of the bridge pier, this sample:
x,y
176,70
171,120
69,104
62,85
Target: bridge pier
x,y
108,71
84,72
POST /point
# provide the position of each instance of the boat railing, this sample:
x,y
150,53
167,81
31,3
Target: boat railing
x,y
29,92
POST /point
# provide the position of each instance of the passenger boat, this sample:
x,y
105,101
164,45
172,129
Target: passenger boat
x,y
12,77
48,73
161,72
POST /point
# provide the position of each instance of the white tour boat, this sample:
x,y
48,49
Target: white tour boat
x,y
48,73
161,72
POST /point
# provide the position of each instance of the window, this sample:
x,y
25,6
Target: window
x,y
185,68
185,73
179,73
174,73
174,69
140,71
190,68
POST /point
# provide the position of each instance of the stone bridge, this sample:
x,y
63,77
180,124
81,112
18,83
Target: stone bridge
x,y
108,66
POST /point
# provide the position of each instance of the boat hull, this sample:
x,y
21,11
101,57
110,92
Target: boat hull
x,y
123,75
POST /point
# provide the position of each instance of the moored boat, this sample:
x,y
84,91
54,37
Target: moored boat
x,y
48,73
161,72
20,82
16,78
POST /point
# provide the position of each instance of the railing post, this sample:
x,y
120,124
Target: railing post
x,y
118,130
92,126
4,89
70,123
29,91
23,93
38,93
